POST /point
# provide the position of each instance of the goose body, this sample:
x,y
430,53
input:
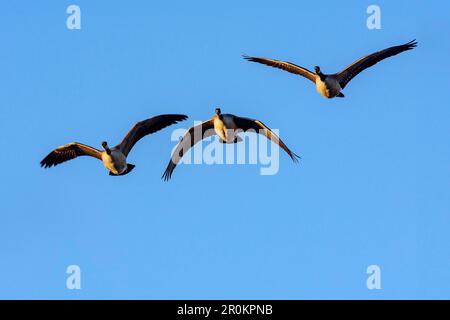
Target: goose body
x,y
114,159
220,128
328,88
331,85
227,127
116,162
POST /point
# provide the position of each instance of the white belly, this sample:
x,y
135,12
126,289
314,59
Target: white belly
x,y
116,162
225,128
329,88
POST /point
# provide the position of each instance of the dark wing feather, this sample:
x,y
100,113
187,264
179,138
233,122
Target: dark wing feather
x,y
286,66
190,138
146,127
365,62
252,124
68,152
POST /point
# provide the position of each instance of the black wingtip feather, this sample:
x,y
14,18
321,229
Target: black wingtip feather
x,y
297,159
182,117
412,44
48,161
248,58
179,117
169,170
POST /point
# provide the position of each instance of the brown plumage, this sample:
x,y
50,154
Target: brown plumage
x,y
368,61
247,124
146,127
189,139
114,159
284,65
215,126
68,152
330,85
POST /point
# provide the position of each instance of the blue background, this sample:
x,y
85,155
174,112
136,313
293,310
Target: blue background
x,y
372,186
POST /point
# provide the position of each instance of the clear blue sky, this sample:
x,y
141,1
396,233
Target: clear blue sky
x,y
372,187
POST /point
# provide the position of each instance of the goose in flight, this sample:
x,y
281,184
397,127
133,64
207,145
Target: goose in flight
x,y
330,85
115,158
226,126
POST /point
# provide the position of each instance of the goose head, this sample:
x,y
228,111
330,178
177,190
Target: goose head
x,y
319,73
218,113
105,146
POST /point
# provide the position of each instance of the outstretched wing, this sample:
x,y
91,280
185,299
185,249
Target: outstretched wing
x,y
146,127
365,62
190,138
68,152
252,124
286,66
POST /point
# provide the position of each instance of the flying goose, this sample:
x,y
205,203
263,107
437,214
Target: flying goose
x,y
114,159
330,85
226,126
